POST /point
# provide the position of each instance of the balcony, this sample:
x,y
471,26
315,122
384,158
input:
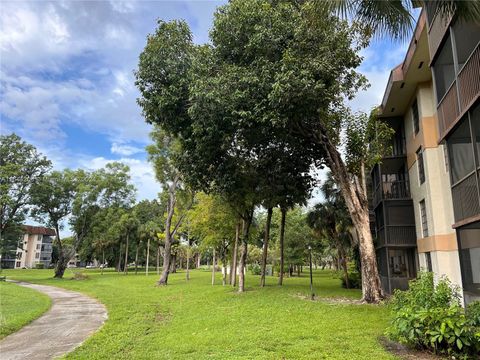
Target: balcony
x,y
397,235
461,95
390,190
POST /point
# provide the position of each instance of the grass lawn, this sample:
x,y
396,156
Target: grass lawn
x,y
194,320
19,306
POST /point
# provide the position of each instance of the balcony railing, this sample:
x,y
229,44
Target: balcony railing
x,y
388,190
397,235
469,79
465,198
448,108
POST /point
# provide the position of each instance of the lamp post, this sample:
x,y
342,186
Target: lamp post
x,y
312,294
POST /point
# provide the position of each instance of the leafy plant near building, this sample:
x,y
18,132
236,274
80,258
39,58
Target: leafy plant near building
x,y
429,316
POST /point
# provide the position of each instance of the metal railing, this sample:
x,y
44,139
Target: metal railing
x,y
403,235
469,79
387,190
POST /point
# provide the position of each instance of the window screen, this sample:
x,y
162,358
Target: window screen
x,y
421,166
416,118
428,260
461,152
423,214
444,69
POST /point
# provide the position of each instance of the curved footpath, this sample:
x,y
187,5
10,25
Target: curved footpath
x,y
72,318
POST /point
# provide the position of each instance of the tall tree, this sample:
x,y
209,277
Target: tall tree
x,y
180,198
52,197
21,167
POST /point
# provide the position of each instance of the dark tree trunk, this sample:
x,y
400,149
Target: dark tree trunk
x,y
233,275
243,257
125,268
213,268
298,270
173,263
282,240
136,259
103,260
148,257
158,260
62,262
187,275
119,264
265,246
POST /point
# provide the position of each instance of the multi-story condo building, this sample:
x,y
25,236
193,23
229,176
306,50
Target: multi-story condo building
x,y
426,193
35,247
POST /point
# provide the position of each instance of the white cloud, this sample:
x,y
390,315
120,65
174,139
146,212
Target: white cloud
x,y
126,150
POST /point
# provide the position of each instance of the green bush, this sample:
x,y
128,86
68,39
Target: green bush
x,y
354,277
255,269
39,265
429,316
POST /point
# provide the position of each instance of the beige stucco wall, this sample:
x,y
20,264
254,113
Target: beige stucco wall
x,y
441,242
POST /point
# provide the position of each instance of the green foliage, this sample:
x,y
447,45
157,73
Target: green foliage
x,y
354,277
39,265
429,316
21,167
255,269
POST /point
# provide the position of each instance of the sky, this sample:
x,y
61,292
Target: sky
x,y
67,77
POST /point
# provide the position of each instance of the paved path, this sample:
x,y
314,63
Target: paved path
x,y
72,318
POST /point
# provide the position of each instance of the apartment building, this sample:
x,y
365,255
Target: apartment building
x,y
34,247
426,193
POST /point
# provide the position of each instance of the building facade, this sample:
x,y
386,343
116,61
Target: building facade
x,y
35,247
427,213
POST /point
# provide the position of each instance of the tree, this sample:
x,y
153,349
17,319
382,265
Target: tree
x,y
52,197
128,225
393,17
180,198
332,221
21,167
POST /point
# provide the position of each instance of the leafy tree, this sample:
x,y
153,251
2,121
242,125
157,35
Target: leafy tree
x,y
332,221
52,197
128,225
21,167
180,198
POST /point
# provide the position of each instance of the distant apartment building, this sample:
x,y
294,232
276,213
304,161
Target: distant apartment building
x,y
426,193
34,247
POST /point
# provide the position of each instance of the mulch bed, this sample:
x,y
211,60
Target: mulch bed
x,y
406,353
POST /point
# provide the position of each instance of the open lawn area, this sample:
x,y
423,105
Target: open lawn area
x,y
19,306
195,320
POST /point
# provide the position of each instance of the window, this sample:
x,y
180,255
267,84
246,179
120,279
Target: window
x,y
461,152
416,118
444,69
445,156
475,118
37,255
428,260
39,246
421,166
423,215
18,264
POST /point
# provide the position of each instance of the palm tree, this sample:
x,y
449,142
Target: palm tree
x,y
332,221
393,17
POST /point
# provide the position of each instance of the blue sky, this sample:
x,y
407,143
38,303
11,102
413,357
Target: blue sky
x,y
67,84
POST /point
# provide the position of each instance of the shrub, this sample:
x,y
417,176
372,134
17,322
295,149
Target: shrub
x,y
255,269
354,277
39,265
429,316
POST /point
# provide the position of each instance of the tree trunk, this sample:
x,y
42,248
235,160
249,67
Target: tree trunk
x,y
148,256
119,264
103,260
158,260
243,257
282,240
125,268
61,264
136,259
265,246
173,263
298,270
199,259
168,234
187,275
233,274
213,268
354,193
224,265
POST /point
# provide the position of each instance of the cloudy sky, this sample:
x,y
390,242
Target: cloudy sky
x,y
67,84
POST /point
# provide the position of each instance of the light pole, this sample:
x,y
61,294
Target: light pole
x,y
312,294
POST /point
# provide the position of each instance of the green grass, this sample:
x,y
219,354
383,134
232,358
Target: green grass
x,y
194,320
19,306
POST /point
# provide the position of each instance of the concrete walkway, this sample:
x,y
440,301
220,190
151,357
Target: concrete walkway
x,y
72,318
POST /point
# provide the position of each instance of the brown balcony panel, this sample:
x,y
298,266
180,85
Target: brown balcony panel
x,y
401,235
448,109
469,80
465,198
436,32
